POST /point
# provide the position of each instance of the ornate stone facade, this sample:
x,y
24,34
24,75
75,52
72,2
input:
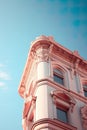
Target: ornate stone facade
x,y
84,116
45,91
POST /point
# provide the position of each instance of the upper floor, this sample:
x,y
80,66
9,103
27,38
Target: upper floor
x,y
48,60
54,81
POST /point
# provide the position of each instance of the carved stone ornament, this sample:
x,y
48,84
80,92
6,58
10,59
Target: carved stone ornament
x,y
42,55
63,99
84,117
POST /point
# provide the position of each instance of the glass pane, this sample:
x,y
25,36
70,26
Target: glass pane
x,y
58,72
58,79
85,93
62,115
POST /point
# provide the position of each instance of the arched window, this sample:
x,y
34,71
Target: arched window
x,y
58,76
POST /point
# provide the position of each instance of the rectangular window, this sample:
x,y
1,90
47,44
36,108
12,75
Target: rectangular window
x,y
62,115
85,93
58,79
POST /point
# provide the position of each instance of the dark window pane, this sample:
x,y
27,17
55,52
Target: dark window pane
x,y
58,79
85,93
62,115
85,90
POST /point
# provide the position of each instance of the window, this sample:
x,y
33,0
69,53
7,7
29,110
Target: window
x,y
58,76
85,90
62,115
85,93
64,105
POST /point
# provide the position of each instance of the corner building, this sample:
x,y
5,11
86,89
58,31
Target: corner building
x,y
54,88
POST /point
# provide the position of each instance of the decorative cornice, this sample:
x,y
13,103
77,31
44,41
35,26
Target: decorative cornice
x,y
63,99
52,124
59,87
50,47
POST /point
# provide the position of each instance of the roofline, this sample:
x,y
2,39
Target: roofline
x,y
46,40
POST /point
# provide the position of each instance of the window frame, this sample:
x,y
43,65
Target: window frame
x,y
58,74
63,101
85,89
62,112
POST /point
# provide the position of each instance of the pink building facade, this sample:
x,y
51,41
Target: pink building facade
x,y
54,88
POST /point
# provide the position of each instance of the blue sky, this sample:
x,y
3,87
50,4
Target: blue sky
x,y
20,22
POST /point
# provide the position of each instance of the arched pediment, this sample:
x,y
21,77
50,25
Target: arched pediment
x,y
64,96
63,99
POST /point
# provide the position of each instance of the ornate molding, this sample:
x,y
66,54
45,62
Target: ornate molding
x,y
28,102
21,89
51,124
63,99
84,116
48,81
31,110
42,55
28,111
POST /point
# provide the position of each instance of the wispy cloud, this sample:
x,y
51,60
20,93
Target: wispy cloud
x,y
2,84
4,76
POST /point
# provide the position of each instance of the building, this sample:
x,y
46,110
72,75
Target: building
x,y
54,88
